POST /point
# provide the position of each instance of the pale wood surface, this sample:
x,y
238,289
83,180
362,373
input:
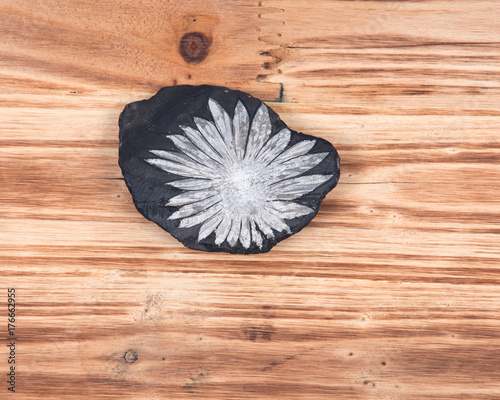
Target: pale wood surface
x,y
392,292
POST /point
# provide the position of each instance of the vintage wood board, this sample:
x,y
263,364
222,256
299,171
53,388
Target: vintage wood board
x,y
392,292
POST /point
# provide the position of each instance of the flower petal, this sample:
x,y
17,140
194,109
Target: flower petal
x,y
200,142
191,197
222,122
296,150
209,226
176,168
264,226
184,160
294,188
188,148
234,232
200,217
241,124
274,146
245,238
259,132
288,209
222,230
275,221
212,136
296,166
256,236
194,208
192,184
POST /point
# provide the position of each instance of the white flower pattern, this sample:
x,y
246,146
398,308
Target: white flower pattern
x,y
239,180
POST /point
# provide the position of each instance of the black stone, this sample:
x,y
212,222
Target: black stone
x,y
144,126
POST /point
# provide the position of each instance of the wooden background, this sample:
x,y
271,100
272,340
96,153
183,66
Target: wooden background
x,y
392,292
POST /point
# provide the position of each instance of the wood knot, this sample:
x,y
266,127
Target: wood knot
x,y
255,332
131,356
194,47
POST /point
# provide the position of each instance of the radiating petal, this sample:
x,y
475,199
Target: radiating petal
x,y
213,137
308,161
176,168
192,184
194,208
209,226
295,166
264,226
245,238
234,232
191,197
275,221
184,160
241,124
274,146
296,150
222,122
200,142
289,209
200,217
259,132
256,236
187,147
222,230
294,188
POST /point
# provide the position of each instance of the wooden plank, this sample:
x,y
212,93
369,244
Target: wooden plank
x,y
78,46
201,335
380,24
391,292
372,57
410,81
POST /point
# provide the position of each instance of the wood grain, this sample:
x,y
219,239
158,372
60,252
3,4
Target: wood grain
x,y
128,47
392,292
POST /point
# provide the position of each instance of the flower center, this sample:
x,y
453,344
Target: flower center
x,y
240,180
242,189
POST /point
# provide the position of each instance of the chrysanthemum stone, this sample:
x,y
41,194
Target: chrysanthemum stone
x,y
220,171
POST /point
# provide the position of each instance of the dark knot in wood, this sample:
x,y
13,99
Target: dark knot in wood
x,y
194,47
131,356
